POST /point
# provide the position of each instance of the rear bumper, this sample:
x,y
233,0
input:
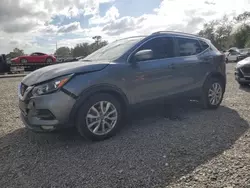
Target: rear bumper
x,y
48,112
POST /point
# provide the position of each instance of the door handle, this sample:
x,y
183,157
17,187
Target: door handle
x,y
171,66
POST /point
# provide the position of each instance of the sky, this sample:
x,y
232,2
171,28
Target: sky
x,y
37,25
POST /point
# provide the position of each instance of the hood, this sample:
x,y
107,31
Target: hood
x,y
242,54
14,58
53,71
23,56
243,62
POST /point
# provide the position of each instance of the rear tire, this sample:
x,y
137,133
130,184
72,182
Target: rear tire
x,y
49,60
212,94
93,123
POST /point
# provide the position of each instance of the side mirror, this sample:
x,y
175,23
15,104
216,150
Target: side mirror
x,y
143,55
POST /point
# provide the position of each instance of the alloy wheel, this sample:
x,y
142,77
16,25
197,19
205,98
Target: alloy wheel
x,y
101,118
49,60
24,61
215,94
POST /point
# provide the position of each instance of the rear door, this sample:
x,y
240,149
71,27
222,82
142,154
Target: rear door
x,y
191,64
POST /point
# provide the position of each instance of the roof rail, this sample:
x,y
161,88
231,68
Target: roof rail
x,y
176,32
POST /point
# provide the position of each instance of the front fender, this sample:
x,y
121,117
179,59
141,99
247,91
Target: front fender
x,y
105,88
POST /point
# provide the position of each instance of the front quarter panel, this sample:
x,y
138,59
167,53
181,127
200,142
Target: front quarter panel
x,y
110,77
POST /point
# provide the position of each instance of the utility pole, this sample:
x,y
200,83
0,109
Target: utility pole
x,y
56,47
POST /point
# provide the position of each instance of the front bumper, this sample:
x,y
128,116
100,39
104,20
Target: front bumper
x,y
46,112
242,74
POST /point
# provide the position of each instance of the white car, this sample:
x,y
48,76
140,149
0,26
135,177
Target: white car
x,y
234,56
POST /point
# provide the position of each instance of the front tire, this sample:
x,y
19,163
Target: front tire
x,y
49,60
212,94
99,117
23,60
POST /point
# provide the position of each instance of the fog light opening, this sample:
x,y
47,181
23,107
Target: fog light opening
x,y
47,127
44,114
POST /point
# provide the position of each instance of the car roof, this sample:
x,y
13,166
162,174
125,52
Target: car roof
x,y
38,53
170,33
178,33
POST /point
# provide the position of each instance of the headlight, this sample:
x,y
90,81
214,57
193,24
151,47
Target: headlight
x,y
51,86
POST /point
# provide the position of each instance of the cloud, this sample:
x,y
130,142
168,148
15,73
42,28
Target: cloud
x,y
15,9
28,20
121,25
187,16
111,15
14,12
69,28
17,27
73,42
210,2
20,43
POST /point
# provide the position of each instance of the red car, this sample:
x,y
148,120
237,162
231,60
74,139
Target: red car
x,y
36,57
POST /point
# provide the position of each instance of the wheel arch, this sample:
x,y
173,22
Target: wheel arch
x,y
48,57
21,58
112,90
217,75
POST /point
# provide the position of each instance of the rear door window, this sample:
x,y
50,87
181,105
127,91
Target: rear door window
x,y
188,47
204,45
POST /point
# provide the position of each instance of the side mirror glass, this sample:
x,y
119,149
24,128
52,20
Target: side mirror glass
x,y
143,55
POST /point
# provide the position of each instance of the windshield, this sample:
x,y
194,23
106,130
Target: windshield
x,y
113,50
244,50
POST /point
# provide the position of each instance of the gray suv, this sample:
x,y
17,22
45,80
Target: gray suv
x,y
95,93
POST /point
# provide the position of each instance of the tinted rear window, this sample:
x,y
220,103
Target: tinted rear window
x,y
204,45
188,47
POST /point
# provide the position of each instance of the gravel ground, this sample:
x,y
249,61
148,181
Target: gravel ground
x,y
199,149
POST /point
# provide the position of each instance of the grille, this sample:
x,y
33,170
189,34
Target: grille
x,y
23,88
239,73
241,57
245,69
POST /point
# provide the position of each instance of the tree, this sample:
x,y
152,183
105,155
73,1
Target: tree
x,y
223,33
247,45
15,53
242,36
97,38
244,17
81,50
219,32
63,51
98,43
85,49
208,31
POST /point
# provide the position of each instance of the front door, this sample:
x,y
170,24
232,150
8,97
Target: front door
x,y
34,58
153,78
